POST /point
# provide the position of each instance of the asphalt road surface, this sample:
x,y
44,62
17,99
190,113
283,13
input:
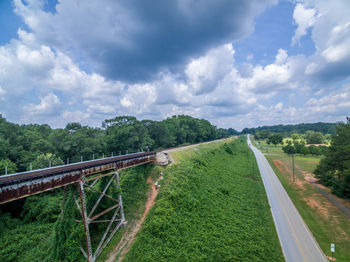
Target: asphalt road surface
x,y
296,240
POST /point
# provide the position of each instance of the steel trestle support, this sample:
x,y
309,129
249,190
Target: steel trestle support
x,y
114,223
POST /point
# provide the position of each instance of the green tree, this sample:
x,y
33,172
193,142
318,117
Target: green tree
x,y
295,137
44,161
126,133
313,137
315,150
334,169
289,149
7,163
304,150
275,139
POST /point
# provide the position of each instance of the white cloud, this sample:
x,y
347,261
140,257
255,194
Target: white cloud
x,y
304,18
49,105
39,70
2,94
205,72
281,57
339,44
269,78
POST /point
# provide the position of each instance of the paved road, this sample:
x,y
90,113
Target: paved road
x,y
296,240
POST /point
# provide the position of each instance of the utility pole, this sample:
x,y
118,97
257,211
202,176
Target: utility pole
x,y
293,168
253,165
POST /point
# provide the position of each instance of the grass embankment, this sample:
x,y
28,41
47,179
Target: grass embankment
x,y
326,222
210,208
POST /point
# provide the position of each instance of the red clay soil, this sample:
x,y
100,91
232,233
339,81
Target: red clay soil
x,y
130,235
281,166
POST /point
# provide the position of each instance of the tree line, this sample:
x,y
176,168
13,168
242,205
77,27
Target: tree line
x,y
287,130
36,146
297,142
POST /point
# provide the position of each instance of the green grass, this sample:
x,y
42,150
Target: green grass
x,y
306,163
210,208
332,227
265,148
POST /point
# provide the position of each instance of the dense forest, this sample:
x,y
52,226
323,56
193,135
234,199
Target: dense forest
x,y
37,146
324,128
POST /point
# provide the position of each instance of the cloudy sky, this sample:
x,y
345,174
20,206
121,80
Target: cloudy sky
x,y
236,63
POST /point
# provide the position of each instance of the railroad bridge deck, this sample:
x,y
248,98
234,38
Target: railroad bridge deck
x,y
24,184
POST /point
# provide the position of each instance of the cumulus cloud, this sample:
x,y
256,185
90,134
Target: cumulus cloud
x,y
132,40
132,59
335,103
331,36
49,106
204,73
304,18
272,77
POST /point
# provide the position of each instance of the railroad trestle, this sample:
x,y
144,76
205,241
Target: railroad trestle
x,y
97,183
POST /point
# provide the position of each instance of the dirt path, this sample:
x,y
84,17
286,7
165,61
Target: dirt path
x,y
130,234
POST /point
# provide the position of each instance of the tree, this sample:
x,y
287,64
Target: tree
x,y
315,150
304,150
313,137
7,163
334,169
275,139
295,137
126,133
289,149
44,160
263,134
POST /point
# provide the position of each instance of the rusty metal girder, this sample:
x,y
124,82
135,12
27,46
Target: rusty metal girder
x,y
13,187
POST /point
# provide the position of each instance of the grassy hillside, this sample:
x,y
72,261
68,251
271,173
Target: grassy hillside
x,y
211,208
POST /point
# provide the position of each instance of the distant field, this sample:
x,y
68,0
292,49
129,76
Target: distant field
x,y
211,207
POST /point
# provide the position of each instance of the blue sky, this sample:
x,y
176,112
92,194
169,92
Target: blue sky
x,y
236,63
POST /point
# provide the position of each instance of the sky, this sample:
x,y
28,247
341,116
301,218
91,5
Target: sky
x,y
235,63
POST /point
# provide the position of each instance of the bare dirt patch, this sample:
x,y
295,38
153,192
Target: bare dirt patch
x,y
321,208
308,176
129,235
281,166
313,180
300,183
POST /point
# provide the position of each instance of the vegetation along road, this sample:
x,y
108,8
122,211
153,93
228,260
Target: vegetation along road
x,y
297,242
210,207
